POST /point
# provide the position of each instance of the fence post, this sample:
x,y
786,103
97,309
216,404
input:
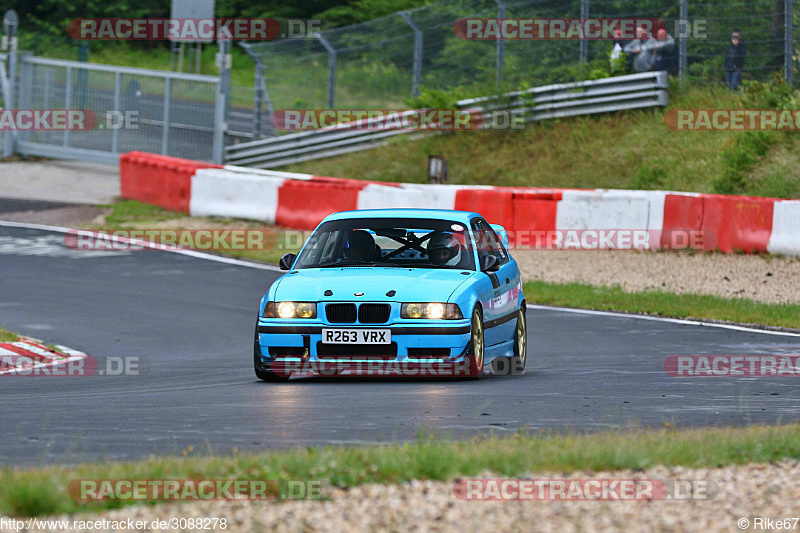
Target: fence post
x,y
501,45
25,92
221,103
788,48
165,114
117,109
331,69
417,73
261,95
10,136
258,101
218,143
682,38
67,100
584,41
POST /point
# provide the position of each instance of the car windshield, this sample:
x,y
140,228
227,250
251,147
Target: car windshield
x,y
389,242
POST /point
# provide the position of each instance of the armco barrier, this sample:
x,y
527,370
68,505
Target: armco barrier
x,y
727,223
159,180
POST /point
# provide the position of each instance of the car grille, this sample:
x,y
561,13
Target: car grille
x,y
384,352
373,313
366,314
341,313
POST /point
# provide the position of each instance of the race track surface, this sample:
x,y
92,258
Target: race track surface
x,y
190,321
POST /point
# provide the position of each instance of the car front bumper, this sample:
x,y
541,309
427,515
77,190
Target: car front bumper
x,y
418,340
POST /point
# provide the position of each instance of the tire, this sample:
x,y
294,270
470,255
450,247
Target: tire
x,y
477,347
262,369
514,365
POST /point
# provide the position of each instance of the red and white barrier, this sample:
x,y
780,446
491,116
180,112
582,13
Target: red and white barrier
x,y
785,236
301,201
226,193
28,354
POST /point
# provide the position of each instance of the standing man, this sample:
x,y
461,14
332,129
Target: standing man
x,y
641,49
734,61
666,53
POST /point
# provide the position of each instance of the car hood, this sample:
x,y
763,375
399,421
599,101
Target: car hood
x,y
410,285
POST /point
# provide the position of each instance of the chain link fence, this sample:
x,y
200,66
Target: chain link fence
x,y
384,63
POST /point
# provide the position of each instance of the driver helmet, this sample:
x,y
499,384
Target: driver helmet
x,y
444,249
360,245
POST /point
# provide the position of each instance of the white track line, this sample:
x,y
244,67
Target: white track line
x,y
664,319
219,259
148,244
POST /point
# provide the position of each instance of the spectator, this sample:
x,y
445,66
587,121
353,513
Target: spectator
x,y
641,51
734,61
619,65
666,53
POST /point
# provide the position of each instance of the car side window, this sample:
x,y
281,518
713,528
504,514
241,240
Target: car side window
x,y
322,248
487,241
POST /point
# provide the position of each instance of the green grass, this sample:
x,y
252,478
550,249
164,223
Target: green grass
x,y
42,491
7,336
129,213
132,214
663,303
624,150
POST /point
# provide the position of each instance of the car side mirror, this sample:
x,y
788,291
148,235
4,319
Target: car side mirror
x,y
502,233
287,261
489,263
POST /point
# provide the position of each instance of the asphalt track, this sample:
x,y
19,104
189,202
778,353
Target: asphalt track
x,y
190,322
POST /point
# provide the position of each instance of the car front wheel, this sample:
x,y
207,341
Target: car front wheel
x,y
262,370
475,354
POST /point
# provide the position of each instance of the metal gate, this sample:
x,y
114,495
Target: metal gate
x,y
162,112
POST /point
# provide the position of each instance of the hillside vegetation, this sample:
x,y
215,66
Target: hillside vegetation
x,y
622,150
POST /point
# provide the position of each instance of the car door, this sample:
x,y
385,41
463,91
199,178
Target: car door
x,y
499,303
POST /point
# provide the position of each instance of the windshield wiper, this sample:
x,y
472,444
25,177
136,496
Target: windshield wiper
x,y
354,262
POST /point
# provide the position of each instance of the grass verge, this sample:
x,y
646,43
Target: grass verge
x,y
130,214
630,150
659,303
43,491
134,215
7,336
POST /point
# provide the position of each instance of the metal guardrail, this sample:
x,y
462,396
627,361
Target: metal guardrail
x,y
620,93
552,101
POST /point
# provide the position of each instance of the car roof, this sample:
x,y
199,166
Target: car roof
x,y
438,214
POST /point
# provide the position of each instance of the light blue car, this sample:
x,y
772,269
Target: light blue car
x,y
406,290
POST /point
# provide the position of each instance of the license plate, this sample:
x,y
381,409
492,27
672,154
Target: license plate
x,y
356,336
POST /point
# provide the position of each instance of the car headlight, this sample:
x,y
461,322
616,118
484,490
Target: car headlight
x,y
290,310
431,310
